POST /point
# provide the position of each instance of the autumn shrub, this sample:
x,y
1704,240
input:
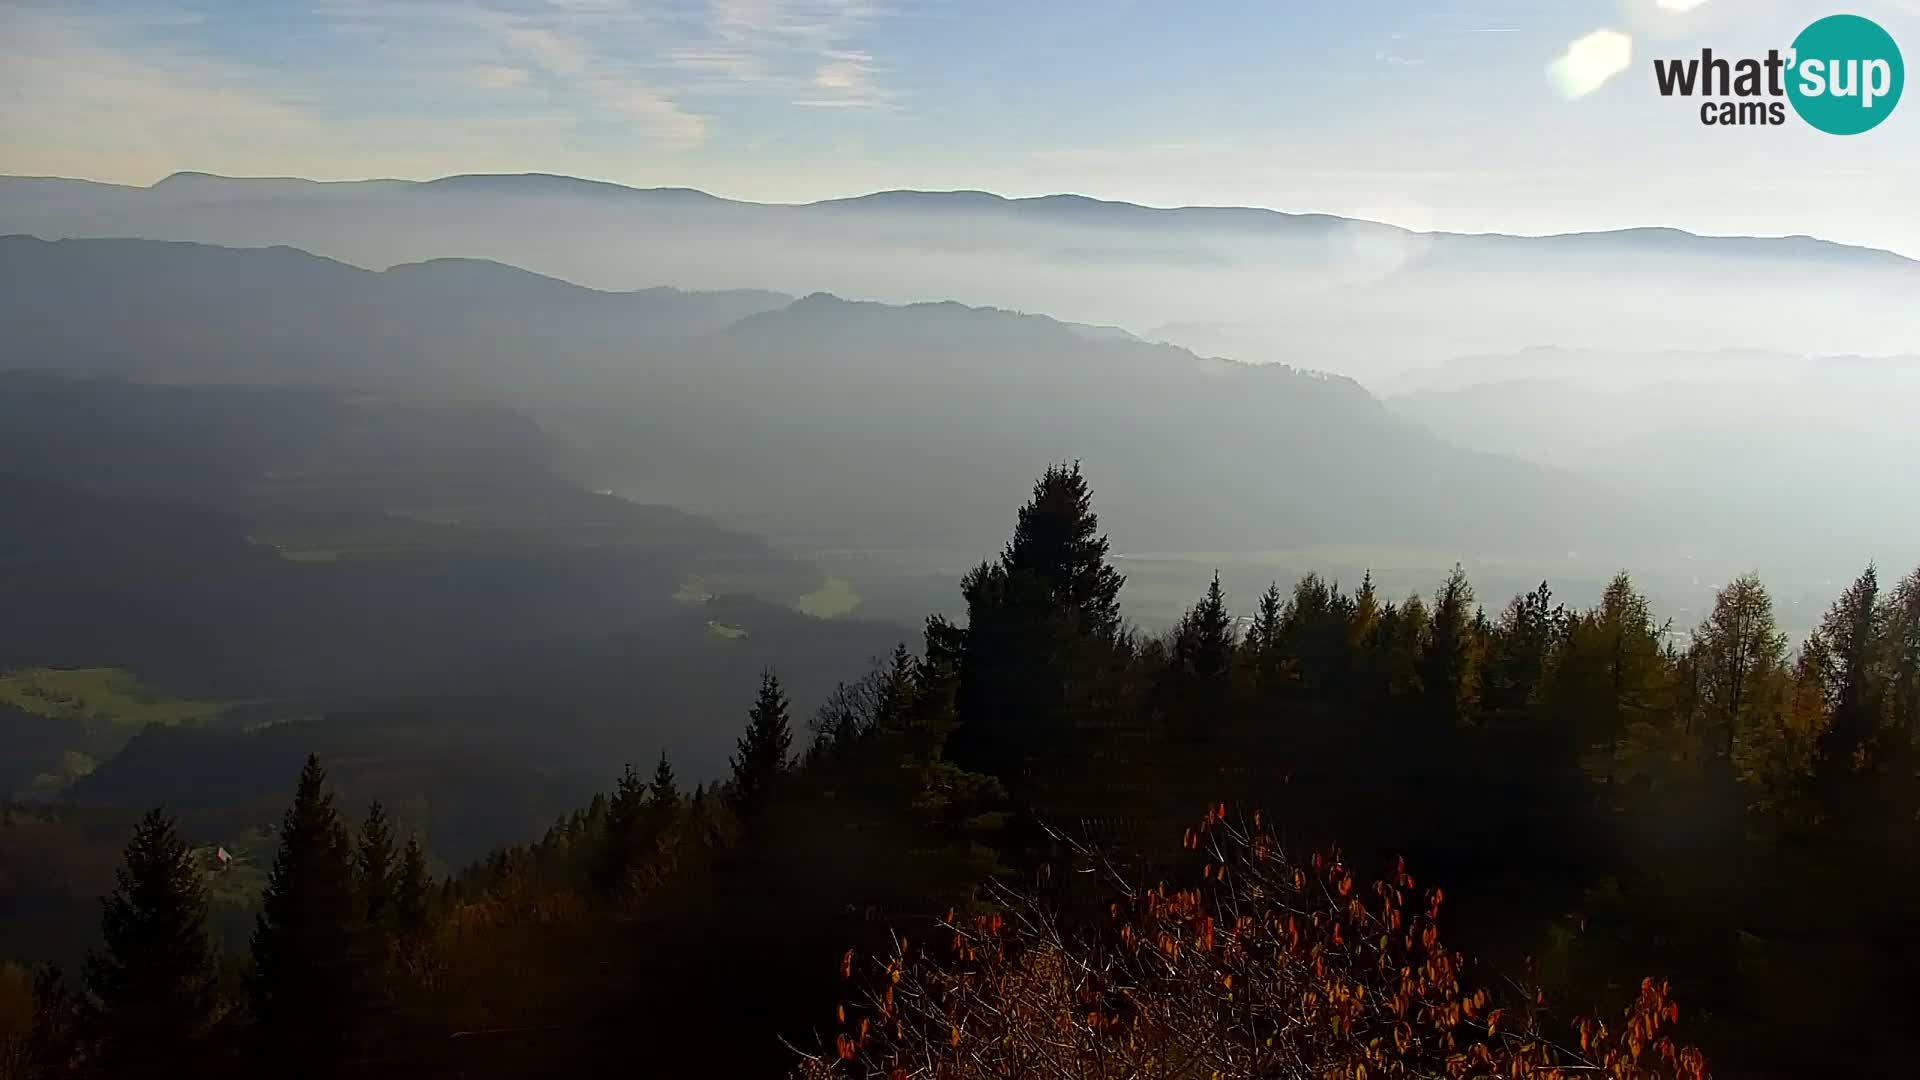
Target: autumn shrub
x,y
1261,967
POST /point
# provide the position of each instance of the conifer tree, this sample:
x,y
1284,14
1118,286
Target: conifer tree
x,y
1203,661
1314,631
1057,541
1405,647
619,852
413,891
1450,663
1265,644
1521,646
153,983
764,751
1739,651
373,863
1043,632
895,706
1849,638
1774,758
55,1044
1364,616
303,981
663,795
1610,675
1900,632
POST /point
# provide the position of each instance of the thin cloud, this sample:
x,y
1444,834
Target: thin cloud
x,y
572,59
132,100
803,49
732,64
846,80
497,77
1590,61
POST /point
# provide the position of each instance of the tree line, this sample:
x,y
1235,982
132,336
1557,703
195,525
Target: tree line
x,y
1612,796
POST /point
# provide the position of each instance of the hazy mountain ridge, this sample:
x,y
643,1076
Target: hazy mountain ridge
x,y
1312,290
1807,450
211,187
882,422
1615,370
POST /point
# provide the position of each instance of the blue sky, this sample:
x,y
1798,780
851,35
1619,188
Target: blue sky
x,y
1434,114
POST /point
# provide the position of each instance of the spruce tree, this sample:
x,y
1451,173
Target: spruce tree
x,y
1521,645
1043,635
1405,647
763,751
619,851
1850,639
153,983
373,863
1266,645
413,891
663,795
1057,541
303,981
1900,634
894,707
1203,662
1313,629
1450,664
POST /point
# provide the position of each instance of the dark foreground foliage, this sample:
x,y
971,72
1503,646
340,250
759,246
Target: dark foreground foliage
x,y
1262,967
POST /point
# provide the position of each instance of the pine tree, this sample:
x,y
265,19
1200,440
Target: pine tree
x,y
764,751
373,863
413,891
303,980
154,981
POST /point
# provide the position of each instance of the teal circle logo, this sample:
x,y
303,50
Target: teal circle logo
x,y
1846,75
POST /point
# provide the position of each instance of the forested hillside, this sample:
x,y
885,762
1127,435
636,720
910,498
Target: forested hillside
x,y
1047,836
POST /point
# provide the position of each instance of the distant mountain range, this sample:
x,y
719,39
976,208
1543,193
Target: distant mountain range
x,y
1312,290
19,193
876,425
1813,453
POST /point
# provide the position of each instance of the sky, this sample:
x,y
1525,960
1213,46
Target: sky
x,y
1447,114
